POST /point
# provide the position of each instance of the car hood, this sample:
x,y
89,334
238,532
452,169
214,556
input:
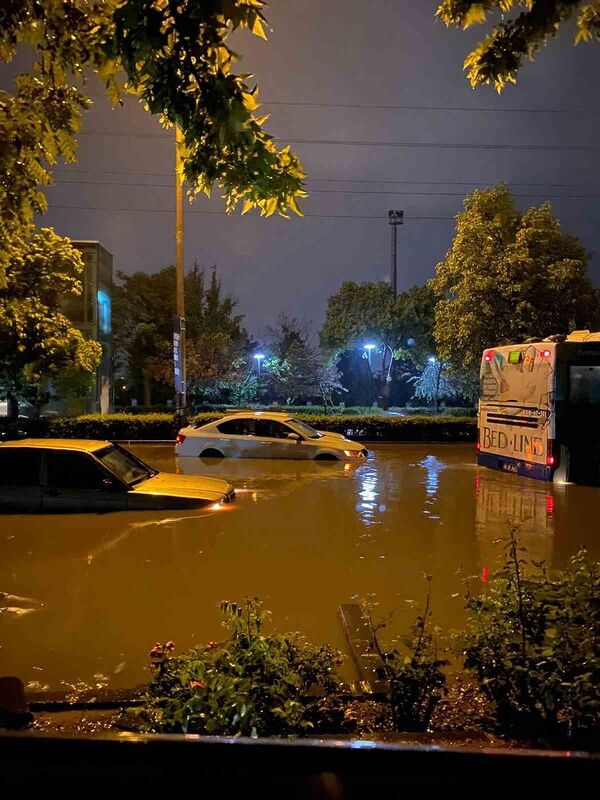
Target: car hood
x,y
191,486
338,440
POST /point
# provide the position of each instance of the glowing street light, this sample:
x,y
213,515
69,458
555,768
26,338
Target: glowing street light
x,y
259,357
368,348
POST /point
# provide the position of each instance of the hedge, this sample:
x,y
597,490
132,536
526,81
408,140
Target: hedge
x,y
429,411
165,426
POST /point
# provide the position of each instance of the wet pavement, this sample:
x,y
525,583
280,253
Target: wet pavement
x,y
86,595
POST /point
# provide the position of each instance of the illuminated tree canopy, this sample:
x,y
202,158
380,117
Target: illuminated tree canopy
x,y
174,55
38,343
499,56
508,277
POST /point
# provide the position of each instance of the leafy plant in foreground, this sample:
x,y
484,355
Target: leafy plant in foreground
x,y
414,675
250,684
533,645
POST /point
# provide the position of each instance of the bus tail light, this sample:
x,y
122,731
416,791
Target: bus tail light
x,y
552,454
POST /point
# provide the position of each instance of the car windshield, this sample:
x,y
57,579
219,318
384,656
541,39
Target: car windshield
x,y
305,429
125,465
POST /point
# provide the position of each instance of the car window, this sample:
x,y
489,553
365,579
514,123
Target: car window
x,y
237,427
70,470
272,429
19,467
307,430
128,467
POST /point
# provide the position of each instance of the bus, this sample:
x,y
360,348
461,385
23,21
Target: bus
x,y
539,409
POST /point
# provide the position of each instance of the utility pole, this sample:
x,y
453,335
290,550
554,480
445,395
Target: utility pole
x,y
179,348
395,218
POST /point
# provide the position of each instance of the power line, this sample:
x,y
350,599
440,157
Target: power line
x,y
70,169
234,216
378,217
468,109
375,143
407,107
334,191
442,145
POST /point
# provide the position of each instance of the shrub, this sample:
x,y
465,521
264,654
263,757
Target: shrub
x,y
398,429
533,645
250,684
165,426
414,673
106,426
449,411
157,409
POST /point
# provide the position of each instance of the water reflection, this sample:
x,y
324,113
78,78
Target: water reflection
x,y
432,466
508,501
368,506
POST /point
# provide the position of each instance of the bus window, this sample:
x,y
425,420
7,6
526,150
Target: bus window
x,y
584,384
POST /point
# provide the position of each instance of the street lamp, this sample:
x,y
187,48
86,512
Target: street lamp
x,y
259,357
368,348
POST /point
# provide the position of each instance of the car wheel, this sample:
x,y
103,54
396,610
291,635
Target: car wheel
x,y
211,453
326,457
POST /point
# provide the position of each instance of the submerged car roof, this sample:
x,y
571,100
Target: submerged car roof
x,y
280,415
89,445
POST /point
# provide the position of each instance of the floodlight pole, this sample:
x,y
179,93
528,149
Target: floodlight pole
x,y
395,218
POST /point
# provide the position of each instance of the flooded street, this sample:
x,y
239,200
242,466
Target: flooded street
x,y
305,537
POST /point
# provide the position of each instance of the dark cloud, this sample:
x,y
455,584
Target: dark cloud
x,y
370,73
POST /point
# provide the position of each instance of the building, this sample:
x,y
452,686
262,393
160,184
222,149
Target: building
x,y
91,314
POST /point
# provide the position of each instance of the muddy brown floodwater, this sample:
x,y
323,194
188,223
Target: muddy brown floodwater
x,y
305,537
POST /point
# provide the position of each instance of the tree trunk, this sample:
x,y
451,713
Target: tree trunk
x,y
385,394
12,410
386,376
147,389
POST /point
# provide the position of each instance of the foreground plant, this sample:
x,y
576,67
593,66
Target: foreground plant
x,y
413,673
250,684
533,643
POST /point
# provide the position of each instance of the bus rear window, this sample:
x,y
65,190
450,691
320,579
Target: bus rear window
x,y
584,384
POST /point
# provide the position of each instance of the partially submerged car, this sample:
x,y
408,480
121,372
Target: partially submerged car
x,y
85,475
265,434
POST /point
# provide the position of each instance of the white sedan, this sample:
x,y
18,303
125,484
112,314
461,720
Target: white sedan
x,y
263,434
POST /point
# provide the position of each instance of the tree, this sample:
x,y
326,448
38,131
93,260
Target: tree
x,y
370,312
143,311
508,277
175,57
295,369
498,58
434,383
38,344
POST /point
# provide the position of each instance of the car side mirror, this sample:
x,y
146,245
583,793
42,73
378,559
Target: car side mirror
x,y
294,437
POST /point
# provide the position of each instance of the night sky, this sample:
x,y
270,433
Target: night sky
x,y
382,74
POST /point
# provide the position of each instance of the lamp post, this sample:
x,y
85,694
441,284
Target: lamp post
x,y
179,341
259,357
368,348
